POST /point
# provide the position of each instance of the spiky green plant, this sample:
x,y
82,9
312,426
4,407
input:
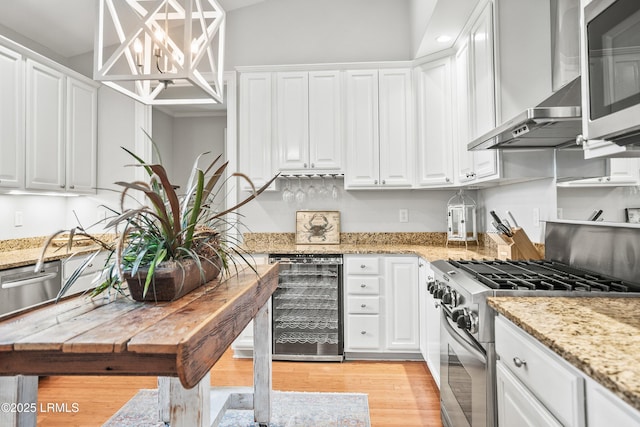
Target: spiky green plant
x,y
169,226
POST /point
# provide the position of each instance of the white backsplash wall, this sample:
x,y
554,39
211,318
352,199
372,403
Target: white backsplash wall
x,y
41,215
521,199
579,203
360,211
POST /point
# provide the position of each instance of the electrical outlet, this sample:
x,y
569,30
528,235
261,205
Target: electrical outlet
x,y
404,215
536,217
17,219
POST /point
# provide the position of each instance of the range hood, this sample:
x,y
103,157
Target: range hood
x,y
554,123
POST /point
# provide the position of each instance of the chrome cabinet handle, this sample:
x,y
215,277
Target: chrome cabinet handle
x,y
305,165
72,187
363,332
363,266
313,165
383,182
363,305
375,182
519,362
363,285
447,180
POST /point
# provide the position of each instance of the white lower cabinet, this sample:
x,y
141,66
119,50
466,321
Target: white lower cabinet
x,y
516,405
429,321
381,305
86,280
555,389
605,409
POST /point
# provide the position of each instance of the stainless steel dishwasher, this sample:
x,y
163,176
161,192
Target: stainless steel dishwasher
x,y
22,287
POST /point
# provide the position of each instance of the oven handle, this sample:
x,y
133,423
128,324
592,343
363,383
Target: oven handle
x,y
470,346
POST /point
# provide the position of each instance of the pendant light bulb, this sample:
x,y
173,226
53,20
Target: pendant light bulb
x,y
137,49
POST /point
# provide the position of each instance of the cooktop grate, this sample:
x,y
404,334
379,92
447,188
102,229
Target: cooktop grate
x,y
541,275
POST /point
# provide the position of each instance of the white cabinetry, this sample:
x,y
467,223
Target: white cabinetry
x,y
429,322
45,116
86,280
476,98
381,305
401,299
11,119
255,128
61,131
308,121
379,129
555,389
435,129
81,137
604,409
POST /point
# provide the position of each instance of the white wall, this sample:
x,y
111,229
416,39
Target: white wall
x,y
579,203
311,31
520,199
361,211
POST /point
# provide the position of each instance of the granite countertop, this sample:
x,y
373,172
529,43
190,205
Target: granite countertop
x,y
430,246
28,256
599,336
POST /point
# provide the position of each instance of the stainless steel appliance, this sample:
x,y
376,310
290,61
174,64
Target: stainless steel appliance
x,y
611,70
21,287
307,308
467,357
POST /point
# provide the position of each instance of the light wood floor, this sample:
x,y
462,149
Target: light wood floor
x,y
400,393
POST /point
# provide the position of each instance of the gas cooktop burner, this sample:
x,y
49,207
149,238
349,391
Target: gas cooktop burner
x,y
541,275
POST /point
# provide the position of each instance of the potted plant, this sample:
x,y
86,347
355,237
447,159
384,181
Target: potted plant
x,y
171,244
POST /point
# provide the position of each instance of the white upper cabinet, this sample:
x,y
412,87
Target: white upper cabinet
x,y
11,119
325,120
45,116
292,118
379,129
81,137
308,121
435,128
255,129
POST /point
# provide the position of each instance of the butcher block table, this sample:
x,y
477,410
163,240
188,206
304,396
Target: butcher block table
x,y
177,341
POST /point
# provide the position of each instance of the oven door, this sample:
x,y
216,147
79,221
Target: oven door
x,y
611,71
464,377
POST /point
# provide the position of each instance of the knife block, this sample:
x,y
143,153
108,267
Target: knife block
x,y
516,247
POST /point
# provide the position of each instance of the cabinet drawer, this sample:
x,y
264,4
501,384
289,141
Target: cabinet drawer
x,y
363,285
363,332
70,265
545,374
363,265
363,305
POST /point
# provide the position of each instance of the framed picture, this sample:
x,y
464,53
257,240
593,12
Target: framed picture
x,y
633,215
317,227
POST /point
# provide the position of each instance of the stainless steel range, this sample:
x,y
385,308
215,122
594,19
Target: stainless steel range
x,y
467,357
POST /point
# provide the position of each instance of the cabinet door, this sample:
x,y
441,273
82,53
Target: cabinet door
x,y
11,119
432,326
255,149
82,104
516,405
435,137
624,170
362,169
45,130
292,118
483,90
401,316
325,120
463,124
396,128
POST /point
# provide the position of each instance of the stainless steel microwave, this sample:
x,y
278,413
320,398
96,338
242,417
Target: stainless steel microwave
x,y
611,71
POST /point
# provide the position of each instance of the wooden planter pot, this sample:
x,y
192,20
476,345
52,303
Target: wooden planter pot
x,y
171,280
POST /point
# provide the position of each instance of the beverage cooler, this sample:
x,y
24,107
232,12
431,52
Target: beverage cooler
x,y
307,308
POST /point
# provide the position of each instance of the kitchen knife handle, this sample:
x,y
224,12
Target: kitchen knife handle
x,y
495,217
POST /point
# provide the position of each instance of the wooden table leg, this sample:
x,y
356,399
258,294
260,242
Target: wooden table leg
x,y
18,401
185,407
262,366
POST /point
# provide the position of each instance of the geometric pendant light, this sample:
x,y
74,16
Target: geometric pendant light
x,y
161,52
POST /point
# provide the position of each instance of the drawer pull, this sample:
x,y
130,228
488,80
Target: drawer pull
x,y
364,332
519,362
363,266
363,285
363,305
